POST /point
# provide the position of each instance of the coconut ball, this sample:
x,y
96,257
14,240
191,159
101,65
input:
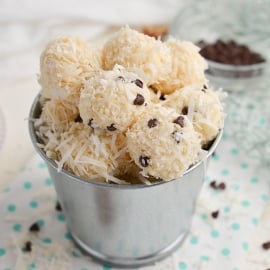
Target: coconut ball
x,y
135,50
89,153
64,64
112,100
163,143
58,113
202,106
187,67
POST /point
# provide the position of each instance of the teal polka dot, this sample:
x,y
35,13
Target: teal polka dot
x,y
244,166
245,246
48,181
254,180
47,240
204,258
264,197
207,178
27,185
7,268
245,203
194,240
215,156
33,204
226,209
17,227
262,122
225,172
234,151
224,136
235,226
2,252
214,233
6,190
182,266
255,221
236,187
40,222
84,268
11,207
42,165
225,252
31,266
75,254
68,236
204,216
61,217
106,267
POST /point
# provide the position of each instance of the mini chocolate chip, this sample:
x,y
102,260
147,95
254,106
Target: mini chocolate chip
x,y
78,119
266,245
58,206
203,90
34,227
215,214
162,97
179,121
111,127
90,122
213,184
27,246
177,135
152,123
205,86
138,82
185,110
120,78
222,186
139,100
144,160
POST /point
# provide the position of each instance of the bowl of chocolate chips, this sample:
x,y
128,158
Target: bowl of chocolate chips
x,y
233,66
233,37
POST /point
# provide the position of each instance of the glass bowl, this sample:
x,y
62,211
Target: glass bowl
x,y
244,21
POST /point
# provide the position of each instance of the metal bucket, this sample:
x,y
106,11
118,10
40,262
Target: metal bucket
x,y
126,225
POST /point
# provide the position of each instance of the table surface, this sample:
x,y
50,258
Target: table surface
x,y
247,181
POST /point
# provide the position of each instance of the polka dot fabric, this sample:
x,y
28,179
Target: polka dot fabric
x,y
225,220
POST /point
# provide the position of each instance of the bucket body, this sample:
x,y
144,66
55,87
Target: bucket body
x,y
126,225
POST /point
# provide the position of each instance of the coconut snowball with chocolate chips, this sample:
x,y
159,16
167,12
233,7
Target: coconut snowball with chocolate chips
x,y
112,100
202,106
163,143
134,107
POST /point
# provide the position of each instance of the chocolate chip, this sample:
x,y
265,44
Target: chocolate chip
x,y
120,78
90,122
203,90
185,110
144,160
162,97
215,214
179,121
58,206
152,123
177,135
213,184
220,186
34,227
205,86
139,100
78,119
111,127
138,82
27,246
266,245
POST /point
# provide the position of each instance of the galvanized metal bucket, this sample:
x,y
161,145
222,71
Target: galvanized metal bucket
x,y
126,225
